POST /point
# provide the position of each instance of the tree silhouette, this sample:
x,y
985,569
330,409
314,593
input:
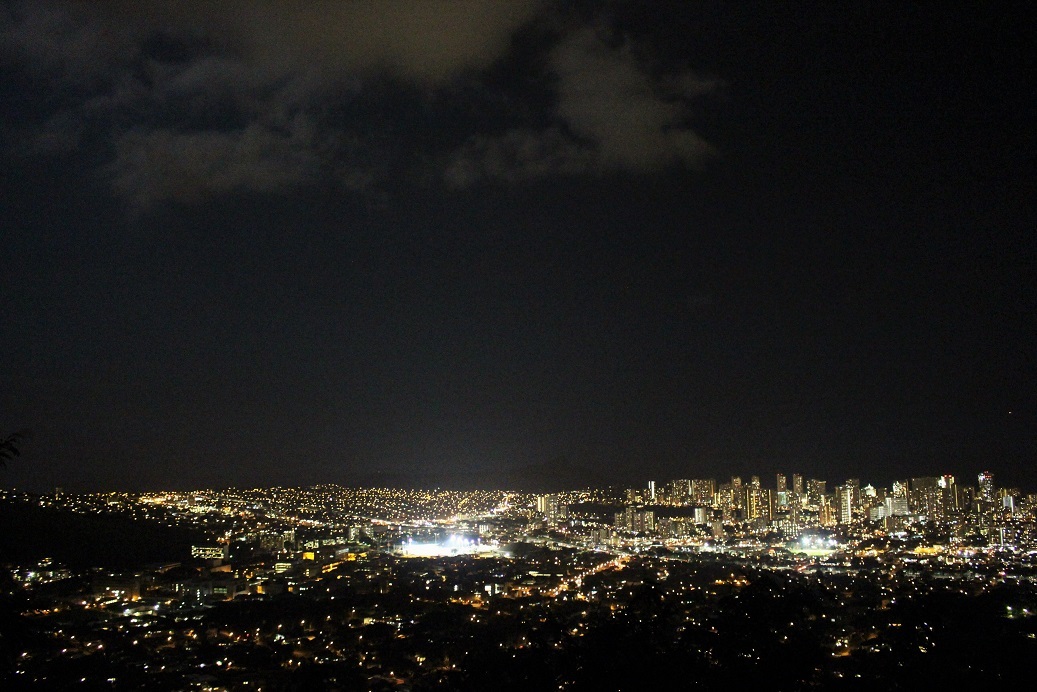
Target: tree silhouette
x,y
9,447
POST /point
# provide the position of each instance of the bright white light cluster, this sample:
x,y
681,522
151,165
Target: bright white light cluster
x,y
454,545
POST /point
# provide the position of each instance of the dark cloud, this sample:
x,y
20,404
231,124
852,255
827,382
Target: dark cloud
x,y
611,114
428,41
154,166
192,100
635,121
519,154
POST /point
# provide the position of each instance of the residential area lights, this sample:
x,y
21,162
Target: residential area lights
x,y
281,580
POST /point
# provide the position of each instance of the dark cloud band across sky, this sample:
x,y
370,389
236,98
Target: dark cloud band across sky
x,y
194,101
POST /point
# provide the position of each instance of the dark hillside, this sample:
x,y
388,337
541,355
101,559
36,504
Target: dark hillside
x,y
29,533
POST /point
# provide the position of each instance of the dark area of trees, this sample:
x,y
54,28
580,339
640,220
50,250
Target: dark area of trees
x,y
10,446
30,533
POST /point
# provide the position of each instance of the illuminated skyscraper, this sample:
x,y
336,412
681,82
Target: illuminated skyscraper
x,y
703,491
825,512
737,494
633,519
854,484
679,491
815,491
797,490
952,498
845,504
755,507
782,490
549,508
987,491
926,497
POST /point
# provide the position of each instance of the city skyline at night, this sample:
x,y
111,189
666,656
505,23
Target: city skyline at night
x,y
415,345
687,583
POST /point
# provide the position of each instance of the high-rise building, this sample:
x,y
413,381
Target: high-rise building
x,y
647,520
726,501
754,500
679,492
897,506
952,499
825,512
781,491
925,497
798,496
870,498
987,491
845,497
751,505
815,491
651,492
703,491
549,508
854,484
633,519
737,494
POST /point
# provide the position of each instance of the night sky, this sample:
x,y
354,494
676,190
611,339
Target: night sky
x,y
519,244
